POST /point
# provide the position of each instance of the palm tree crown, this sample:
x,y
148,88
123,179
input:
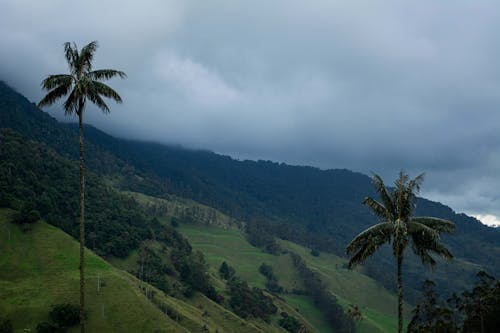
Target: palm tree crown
x,y
398,226
82,83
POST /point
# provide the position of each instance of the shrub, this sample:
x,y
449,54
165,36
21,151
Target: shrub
x,y
6,326
226,272
47,327
27,216
65,315
315,253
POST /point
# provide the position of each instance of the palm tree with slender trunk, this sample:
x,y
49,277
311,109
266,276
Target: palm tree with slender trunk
x,y
81,85
398,227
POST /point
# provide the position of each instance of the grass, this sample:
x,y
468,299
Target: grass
x,y
309,310
39,268
230,245
377,304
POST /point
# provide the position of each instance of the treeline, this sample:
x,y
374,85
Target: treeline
x,y
322,297
474,310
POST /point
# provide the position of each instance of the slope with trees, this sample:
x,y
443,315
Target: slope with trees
x,y
309,206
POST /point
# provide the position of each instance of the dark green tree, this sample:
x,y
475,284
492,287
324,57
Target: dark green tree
x,y
226,271
81,85
400,228
5,326
480,305
65,315
431,315
291,324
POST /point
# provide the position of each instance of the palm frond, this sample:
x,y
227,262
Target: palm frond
x,y
414,185
380,232
364,253
106,91
94,97
71,55
53,81
440,225
106,74
87,56
402,180
425,240
424,250
405,194
71,103
377,208
54,95
368,242
384,194
422,229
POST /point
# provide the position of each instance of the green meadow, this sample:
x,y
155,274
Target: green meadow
x,y
377,304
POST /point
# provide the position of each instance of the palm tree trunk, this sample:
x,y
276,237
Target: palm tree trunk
x,y
82,224
400,293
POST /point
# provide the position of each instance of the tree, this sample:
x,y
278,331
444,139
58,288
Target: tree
x,y
431,314
226,271
479,305
6,326
81,85
399,228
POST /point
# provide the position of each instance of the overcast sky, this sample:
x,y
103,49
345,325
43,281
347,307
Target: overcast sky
x,y
365,85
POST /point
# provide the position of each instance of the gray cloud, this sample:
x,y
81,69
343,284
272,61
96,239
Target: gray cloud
x,y
365,85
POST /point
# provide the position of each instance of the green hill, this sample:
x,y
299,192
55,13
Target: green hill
x,y
377,304
39,268
222,239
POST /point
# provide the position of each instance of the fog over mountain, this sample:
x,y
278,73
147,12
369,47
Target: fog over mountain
x,y
369,86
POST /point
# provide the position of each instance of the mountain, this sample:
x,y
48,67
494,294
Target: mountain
x,y
135,232
313,207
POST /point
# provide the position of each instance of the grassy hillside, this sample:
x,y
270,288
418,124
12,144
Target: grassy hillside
x,y
351,287
39,268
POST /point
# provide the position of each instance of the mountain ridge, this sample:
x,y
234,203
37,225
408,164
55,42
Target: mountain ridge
x,y
314,207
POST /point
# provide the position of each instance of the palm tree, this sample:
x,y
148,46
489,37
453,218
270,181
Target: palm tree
x,y
399,228
82,84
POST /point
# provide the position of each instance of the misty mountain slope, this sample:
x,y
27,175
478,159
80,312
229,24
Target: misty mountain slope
x,y
303,204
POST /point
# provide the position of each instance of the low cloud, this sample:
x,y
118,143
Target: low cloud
x,y
338,84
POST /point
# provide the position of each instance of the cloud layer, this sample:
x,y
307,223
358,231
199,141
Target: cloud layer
x,y
366,85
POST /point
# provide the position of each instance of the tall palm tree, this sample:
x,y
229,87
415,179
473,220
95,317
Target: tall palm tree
x,y
82,84
399,228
